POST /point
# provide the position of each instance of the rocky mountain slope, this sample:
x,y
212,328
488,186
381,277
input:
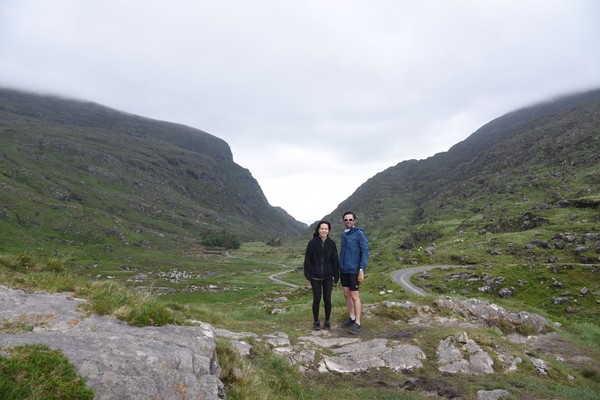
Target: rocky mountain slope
x,y
75,173
531,174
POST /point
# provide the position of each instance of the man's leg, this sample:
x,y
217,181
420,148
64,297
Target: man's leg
x,y
356,304
349,302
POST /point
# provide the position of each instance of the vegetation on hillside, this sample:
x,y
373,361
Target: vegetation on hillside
x,y
80,178
525,187
516,205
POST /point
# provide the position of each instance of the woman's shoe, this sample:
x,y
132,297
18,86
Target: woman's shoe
x,y
327,325
317,326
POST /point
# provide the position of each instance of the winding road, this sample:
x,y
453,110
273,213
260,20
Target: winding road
x,y
401,277
279,281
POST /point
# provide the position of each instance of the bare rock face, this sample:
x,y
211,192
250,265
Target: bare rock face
x,y
119,361
461,354
483,311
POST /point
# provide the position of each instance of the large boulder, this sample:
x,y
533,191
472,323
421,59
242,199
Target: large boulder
x,y
119,361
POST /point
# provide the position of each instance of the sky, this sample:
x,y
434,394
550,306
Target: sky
x,y
314,97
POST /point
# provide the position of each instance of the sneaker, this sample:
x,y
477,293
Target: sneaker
x,y
317,326
348,323
355,329
327,325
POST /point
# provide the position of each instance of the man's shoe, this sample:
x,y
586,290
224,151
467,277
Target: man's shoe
x,y
355,329
317,326
327,325
348,323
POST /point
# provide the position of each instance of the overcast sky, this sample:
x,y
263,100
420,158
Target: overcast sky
x,y
313,96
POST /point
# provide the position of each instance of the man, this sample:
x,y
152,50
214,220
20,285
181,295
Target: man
x,y
354,254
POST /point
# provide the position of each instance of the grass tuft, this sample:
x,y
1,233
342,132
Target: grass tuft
x,y
37,372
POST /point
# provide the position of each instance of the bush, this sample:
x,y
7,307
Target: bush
x,y
224,239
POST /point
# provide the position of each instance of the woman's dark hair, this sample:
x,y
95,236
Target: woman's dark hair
x,y
319,225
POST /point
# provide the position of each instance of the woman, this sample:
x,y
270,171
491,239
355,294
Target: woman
x,y
321,270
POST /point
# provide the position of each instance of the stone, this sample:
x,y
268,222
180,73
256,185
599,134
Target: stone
x,y
118,360
460,354
374,354
491,394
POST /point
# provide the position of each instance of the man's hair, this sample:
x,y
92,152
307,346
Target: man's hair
x,y
349,212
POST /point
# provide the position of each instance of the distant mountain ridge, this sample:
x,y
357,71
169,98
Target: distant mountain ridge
x,y
527,162
74,171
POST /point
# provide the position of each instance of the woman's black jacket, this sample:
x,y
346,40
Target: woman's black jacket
x,y
321,260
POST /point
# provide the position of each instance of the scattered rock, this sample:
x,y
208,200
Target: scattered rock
x,y
491,394
483,311
459,353
540,365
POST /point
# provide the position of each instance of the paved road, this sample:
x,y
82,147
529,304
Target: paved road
x,y
402,277
279,281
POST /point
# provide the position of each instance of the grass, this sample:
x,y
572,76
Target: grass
x,y
533,287
242,298
37,372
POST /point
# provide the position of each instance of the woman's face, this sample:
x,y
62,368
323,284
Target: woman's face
x,y
323,231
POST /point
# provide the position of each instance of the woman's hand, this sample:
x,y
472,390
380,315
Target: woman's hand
x,y
361,276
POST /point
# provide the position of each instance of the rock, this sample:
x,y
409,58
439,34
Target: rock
x,y
374,354
483,311
581,249
118,360
405,304
540,365
491,394
278,339
460,354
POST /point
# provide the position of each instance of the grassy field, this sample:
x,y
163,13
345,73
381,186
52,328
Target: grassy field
x,y
233,291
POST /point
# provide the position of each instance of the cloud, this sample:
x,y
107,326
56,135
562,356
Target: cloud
x,y
314,97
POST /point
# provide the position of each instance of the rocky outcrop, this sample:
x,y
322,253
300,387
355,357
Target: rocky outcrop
x,y
459,353
488,313
175,362
119,361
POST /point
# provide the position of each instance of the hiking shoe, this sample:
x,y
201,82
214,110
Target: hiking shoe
x,y
348,323
327,325
317,326
355,329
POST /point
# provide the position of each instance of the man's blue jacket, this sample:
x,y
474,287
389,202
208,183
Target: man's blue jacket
x,y
354,252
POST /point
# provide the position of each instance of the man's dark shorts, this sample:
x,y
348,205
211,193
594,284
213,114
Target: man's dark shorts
x,y
349,281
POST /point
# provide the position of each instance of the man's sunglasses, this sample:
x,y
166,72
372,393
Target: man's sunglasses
x,y
348,220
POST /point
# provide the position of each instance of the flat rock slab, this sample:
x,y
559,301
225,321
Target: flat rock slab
x,y
119,361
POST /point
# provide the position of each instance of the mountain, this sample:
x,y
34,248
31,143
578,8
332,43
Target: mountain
x,y
78,174
529,175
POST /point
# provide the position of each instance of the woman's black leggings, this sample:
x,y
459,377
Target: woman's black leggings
x,y
322,288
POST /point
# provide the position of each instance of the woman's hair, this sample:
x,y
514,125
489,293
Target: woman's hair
x,y
319,225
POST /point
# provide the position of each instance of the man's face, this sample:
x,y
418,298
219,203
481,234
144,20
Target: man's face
x,y
349,221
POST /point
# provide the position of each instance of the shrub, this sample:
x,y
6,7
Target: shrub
x,y
224,239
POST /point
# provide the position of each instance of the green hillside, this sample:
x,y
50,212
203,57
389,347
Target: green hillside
x,y
524,187
79,177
